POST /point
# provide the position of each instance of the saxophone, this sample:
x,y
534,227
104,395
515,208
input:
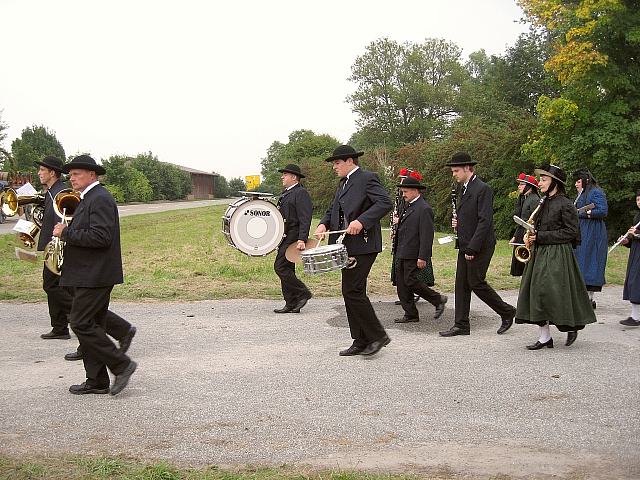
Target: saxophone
x,y
523,253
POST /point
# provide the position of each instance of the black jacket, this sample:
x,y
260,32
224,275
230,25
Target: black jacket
x,y
363,199
296,209
557,222
92,256
49,218
475,217
415,231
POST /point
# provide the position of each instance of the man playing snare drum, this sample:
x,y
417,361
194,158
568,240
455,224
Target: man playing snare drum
x,y
296,209
359,204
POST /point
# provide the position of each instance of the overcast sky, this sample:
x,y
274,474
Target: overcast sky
x,y
210,85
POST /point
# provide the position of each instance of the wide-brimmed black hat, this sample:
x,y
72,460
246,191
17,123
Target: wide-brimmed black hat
x,y
85,162
292,168
552,171
410,182
52,163
343,152
460,159
585,174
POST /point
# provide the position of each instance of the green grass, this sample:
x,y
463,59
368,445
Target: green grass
x,y
183,255
103,468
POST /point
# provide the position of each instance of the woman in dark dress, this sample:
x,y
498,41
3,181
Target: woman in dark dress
x,y
631,290
552,291
525,205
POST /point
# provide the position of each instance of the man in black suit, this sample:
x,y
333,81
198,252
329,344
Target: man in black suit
x,y
359,204
58,298
476,243
414,240
296,208
92,266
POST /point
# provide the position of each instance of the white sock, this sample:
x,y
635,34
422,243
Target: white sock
x,y
635,311
545,333
590,295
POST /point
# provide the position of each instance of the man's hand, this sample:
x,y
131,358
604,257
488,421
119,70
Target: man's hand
x,y
301,245
421,263
57,230
395,219
469,257
354,228
319,233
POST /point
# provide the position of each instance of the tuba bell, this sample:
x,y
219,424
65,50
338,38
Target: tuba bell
x,y
10,201
65,204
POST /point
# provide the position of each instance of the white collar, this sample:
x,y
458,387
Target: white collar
x,y
289,188
86,190
351,172
414,199
473,177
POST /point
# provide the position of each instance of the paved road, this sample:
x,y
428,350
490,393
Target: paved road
x,y
137,209
231,383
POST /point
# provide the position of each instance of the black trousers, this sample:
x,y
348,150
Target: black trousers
x,y
363,321
293,289
59,300
470,277
115,326
88,319
407,284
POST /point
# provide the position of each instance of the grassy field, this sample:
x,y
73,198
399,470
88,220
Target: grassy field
x,y
102,468
182,255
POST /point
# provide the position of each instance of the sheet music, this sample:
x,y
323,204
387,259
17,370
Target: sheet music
x,y
26,189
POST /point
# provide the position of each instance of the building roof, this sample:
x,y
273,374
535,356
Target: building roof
x,y
193,170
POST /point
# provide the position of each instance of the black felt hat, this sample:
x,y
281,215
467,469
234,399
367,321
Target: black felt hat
x,y
410,182
460,159
292,168
52,163
552,171
84,162
343,152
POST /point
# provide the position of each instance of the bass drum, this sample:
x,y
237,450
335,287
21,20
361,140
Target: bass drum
x,y
253,226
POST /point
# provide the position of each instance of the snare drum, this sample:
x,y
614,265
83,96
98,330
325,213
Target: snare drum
x,y
253,226
325,258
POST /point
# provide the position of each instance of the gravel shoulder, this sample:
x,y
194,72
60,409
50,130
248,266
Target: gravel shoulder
x,y
232,383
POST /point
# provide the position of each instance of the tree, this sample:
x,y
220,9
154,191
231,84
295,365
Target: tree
x,y
122,177
221,187
236,185
34,143
405,92
595,120
4,154
167,181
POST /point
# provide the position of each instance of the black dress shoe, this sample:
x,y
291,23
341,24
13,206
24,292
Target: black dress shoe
x,y
375,347
125,342
55,336
440,307
593,304
571,337
286,309
397,302
406,319
302,302
630,322
83,389
122,379
453,331
352,350
73,356
506,322
538,345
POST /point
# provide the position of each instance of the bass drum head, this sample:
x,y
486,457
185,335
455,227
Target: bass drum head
x,y
255,226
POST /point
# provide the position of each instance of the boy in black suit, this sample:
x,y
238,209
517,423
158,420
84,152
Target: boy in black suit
x,y
476,243
359,204
92,266
414,240
296,209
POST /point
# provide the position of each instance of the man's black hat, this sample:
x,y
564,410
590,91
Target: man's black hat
x,y
552,171
84,162
292,168
52,163
410,182
343,152
460,159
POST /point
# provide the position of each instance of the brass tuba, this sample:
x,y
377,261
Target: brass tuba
x,y
522,253
10,201
65,204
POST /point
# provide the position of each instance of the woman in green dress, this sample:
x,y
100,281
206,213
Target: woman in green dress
x,y
552,291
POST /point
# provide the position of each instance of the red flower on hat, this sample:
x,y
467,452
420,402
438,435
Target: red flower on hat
x,y
403,172
416,175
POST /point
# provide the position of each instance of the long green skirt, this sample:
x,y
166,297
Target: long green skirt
x,y
552,290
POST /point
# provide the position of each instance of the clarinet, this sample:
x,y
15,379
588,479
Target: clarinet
x,y
395,212
454,197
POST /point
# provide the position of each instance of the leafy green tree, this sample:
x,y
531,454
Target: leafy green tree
x,y
33,144
594,121
167,181
221,187
236,185
4,154
132,182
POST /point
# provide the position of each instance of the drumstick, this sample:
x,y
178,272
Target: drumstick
x,y
340,231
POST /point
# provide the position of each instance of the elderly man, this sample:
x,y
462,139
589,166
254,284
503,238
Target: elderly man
x,y
92,266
